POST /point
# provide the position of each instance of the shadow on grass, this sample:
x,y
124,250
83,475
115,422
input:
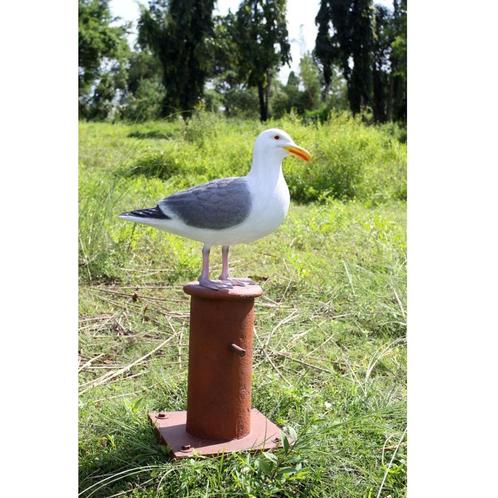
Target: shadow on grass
x,y
152,134
122,465
153,165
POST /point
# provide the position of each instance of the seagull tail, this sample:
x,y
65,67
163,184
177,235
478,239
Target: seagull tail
x,y
148,216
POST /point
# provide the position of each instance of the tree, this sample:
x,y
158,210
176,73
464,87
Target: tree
x,y
381,63
330,50
287,97
262,40
291,97
142,66
349,46
176,31
223,51
310,76
101,48
144,89
398,61
293,93
224,76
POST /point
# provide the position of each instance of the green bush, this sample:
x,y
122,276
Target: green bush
x,y
156,164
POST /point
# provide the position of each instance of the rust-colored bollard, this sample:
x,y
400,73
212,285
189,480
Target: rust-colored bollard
x,y
219,417
220,361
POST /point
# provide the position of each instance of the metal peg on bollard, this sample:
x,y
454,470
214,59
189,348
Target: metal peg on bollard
x,y
237,349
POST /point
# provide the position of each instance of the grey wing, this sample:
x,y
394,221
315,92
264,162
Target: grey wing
x,y
216,205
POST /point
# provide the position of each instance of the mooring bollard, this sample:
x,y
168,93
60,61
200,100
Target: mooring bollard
x,y
219,417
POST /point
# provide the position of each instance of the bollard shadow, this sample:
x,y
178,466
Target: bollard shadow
x,y
114,466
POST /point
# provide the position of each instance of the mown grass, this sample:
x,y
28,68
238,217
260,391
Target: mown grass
x,y
330,334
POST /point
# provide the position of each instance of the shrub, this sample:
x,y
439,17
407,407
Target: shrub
x,y
156,164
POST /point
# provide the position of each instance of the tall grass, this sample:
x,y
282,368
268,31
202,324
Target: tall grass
x,y
351,160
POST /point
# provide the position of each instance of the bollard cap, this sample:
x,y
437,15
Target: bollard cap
x,y
236,294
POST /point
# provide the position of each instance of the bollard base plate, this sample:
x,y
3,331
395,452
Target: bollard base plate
x,y
170,429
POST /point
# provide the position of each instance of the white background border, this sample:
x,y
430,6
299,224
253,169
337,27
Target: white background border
x,y
452,248
38,248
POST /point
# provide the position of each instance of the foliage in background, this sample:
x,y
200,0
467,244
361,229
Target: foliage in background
x,y
176,32
187,59
145,90
369,45
102,50
399,61
261,38
345,38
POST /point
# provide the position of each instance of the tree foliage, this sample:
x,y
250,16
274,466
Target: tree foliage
x,y
145,91
399,61
176,31
349,46
98,41
310,76
368,44
261,37
302,92
381,63
231,90
186,59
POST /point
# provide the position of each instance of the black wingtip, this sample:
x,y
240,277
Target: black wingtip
x,y
154,213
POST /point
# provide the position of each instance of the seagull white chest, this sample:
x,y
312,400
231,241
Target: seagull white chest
x,y
270,205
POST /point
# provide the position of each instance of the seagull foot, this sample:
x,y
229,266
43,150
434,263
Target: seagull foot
x,y
215,284
239,282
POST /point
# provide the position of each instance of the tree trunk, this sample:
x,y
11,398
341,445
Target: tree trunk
x,y
263,103
390,93
379,100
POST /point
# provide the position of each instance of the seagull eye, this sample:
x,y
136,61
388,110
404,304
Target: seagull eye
x,y
277,137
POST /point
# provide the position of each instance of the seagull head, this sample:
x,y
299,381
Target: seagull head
x,y
278,144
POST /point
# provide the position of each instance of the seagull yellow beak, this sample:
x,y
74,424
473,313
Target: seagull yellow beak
x,y
299,152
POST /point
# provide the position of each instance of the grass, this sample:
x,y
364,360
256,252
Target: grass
x,y
329,360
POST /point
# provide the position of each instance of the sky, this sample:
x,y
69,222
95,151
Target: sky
x,y
300,23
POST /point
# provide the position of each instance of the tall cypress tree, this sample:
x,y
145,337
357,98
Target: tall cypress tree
x,y
262,41
360,87
381,63
351,40
369,46
398,61
177,31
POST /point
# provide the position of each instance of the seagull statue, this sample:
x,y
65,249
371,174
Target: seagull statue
x,y
230,211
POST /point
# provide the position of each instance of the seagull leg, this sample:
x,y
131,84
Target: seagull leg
x,y
204,279
224,263
225,273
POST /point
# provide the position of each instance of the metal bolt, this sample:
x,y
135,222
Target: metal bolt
x,y
186,447
237,349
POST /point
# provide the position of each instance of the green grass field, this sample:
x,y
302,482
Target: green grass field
x,y
330,349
